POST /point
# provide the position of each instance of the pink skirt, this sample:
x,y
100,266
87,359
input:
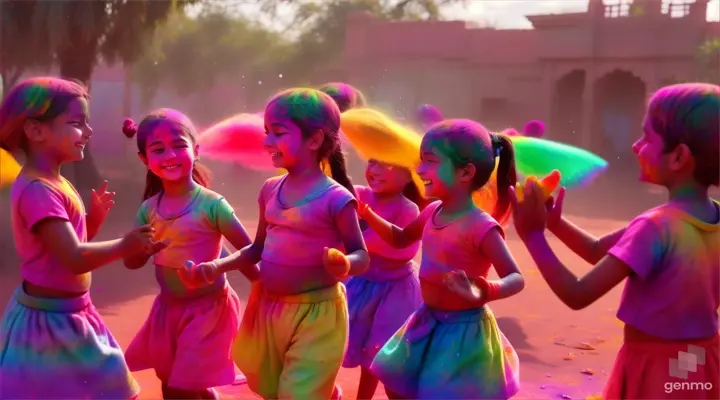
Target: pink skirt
x,y
650,368
187,341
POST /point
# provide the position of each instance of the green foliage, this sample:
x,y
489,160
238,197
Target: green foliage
x,y
193,54
708,60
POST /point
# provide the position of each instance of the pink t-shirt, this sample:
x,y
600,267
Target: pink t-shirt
x,y
192,234
455,245
674,292
399,212
296,235
35,199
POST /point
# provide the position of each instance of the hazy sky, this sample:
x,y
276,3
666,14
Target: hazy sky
x,y
508,14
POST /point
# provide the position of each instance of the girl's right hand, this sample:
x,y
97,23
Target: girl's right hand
x,y
137,241
362,209
198,275
554,209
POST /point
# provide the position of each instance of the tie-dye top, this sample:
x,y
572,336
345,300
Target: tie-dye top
x,y
674,292
296,235
35,199
400,212
455,245
192,234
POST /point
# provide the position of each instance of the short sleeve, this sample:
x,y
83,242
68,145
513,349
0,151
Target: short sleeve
x,y
641,248
141,218
408,213
38,202
482,224
339,198
220,210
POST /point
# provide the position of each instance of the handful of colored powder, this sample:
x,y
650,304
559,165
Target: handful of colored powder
x,y
548,184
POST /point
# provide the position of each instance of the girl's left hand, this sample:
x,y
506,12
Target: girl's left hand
x,y
101,203
530,214
336,263
199,275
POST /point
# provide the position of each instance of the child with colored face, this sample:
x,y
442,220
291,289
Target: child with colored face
x,y
669,256
53,342
294,331
186,338
381,299
451,347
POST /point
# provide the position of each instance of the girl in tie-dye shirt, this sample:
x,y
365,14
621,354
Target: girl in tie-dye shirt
x,y
669,256
187,336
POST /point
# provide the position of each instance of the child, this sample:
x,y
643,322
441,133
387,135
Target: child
x,y
53,342
293,334
670,255
346,96
381,299
187,336
452,348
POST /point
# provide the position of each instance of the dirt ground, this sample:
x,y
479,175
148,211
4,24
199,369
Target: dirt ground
x,y
550,339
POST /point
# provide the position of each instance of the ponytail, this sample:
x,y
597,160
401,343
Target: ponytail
x,y
338,170
506,176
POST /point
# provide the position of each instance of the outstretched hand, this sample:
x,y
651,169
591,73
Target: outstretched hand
x,y
554,208
101,202
336,263
529,215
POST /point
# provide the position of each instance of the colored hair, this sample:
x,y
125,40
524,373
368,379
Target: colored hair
x,y
311,111
468,142
41,99
345,96
182,124
429,115
689,114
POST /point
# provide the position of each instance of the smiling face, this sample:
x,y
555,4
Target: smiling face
x,y
169,152
385,178
285,142
66,136
437,171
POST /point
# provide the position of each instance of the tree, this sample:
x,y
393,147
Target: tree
x,y
18,54
708,60
323,37
79,33
224,47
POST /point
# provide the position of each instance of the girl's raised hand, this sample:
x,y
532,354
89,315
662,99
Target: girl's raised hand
x,y
529,215
101,203
554,208
336,263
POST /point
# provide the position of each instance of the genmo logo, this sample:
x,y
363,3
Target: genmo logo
x,y
683,386
686,362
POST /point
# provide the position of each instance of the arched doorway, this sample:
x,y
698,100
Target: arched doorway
x,y
619,106
567,108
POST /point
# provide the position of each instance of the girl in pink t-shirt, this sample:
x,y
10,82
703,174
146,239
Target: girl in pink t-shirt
x,y
294,331
53,342
186,338
452,347
669,256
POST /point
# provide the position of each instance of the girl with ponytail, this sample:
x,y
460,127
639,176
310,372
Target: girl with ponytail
x,y
294,331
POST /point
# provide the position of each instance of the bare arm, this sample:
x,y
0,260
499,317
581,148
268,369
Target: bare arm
x,y
233,230
392,234
590,248
250,254
60,239
511,281
349,228
575,293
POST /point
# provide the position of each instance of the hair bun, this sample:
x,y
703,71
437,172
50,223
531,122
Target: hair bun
x,y
129,128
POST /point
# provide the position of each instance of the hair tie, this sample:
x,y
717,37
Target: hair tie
x,y
129,128
496,144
